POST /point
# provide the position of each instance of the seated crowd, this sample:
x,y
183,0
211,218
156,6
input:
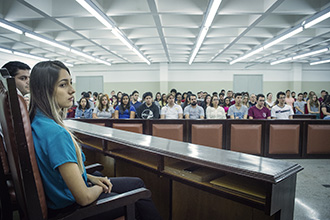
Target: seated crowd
x,y
176,105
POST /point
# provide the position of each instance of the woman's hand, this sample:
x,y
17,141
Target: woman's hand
x,y
104,182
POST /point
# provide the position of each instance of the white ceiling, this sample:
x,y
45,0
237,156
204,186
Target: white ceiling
x,y
166,30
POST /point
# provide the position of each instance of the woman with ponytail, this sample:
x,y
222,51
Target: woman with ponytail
x,y
59,156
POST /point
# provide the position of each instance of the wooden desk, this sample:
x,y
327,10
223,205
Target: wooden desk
x,y
190,181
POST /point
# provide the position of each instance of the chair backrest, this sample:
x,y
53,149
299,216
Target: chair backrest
x,y
22,162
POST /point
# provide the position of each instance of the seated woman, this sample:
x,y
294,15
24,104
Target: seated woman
x,y
313,106
59,156
227,104
214,111
125,109
103,110
84,110
326,107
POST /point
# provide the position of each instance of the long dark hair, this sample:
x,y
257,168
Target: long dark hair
x,y
87,103
123,108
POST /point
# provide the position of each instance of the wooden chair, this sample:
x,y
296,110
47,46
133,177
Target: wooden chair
x,y
24,171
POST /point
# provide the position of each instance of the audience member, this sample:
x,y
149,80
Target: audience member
x,y
84,110
163,101
305,96
293,95
103,110
326,107
114,102
215,111
119,96
178,98
125,109
323,94
221,98
227,104
245,101
171,110
21,72
300,105
194,111
158,97
148,109
186,102
173,92
313,106
253,100
281,110
206,103
269,102
91,103
238,111
289,100
72,110
259,111
135,97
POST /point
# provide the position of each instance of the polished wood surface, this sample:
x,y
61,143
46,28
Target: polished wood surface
x,y
249,181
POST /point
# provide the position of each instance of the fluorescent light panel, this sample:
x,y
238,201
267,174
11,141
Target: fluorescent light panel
x,y
321,16
11,28
281,61
310,53
320,62
29,56
103,18
205,27
44,40
284,37
96,12
5,50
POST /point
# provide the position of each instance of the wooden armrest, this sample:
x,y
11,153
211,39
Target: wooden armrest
x,y
107,204
94,167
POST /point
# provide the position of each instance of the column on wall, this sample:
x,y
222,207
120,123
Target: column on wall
x,y
163,78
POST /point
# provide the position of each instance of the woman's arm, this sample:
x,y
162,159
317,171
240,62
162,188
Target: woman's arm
x,y
116,114
72,177
94,115
324,111
132,114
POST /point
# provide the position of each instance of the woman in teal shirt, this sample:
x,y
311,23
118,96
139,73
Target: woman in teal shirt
x,y
59,156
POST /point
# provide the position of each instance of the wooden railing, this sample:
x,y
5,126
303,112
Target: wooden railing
x,y
298,138
190,181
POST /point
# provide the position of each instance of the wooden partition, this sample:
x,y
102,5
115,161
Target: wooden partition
x,y
190,181
298,138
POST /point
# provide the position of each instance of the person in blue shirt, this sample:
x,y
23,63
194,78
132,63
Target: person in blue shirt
x,y
84,110
125,109
59,156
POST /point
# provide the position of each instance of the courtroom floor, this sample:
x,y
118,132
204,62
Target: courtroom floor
x,y
313,190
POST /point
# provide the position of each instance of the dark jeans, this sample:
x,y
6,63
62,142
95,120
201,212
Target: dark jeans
x,y
144,208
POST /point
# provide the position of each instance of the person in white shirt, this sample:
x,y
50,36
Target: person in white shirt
x,y
171,110
215,111
281,110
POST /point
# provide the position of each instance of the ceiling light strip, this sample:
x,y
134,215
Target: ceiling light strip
x,y
104,19
319,62
299,56
11,27
47,41
317,18
17,29
210,14
322,15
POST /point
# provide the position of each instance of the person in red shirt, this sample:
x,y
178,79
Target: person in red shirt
x,y
259,111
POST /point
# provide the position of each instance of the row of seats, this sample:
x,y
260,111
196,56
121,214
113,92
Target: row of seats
x,y
283,139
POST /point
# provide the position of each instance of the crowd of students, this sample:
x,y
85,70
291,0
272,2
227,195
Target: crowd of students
x,y
176,105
